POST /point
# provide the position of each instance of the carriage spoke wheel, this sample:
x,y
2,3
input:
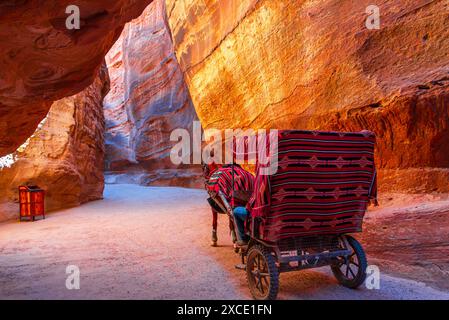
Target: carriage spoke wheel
x,y
350,271
262,274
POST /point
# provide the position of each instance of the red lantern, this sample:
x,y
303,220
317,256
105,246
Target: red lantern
x,y
31,200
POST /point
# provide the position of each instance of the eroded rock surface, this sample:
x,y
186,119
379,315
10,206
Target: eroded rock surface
x,y
147,101
64,156
43,61
315,65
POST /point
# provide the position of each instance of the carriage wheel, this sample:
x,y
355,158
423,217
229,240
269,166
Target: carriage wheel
x,y
351,271
262,274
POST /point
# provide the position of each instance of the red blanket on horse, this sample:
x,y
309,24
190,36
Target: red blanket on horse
x,y
222,179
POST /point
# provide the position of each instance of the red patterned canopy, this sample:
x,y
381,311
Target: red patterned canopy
x,y
323,184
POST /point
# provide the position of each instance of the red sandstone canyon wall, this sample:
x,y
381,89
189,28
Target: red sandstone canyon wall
x,y
43,61
147,101
314,65
64,156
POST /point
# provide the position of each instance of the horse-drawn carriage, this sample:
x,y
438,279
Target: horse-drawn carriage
x,y
301,216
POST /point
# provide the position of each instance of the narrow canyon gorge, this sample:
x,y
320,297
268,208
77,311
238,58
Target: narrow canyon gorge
x,y
81,108
148,100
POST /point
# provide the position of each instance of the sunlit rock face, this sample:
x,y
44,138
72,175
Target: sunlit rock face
x,y
315,65
43,61
147,101
64,156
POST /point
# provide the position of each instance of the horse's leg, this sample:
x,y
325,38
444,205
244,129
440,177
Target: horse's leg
x,y
232,229
214,228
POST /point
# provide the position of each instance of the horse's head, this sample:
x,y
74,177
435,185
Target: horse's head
x,y
208,169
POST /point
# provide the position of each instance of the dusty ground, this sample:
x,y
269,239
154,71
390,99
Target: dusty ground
x,y
150,243
409,236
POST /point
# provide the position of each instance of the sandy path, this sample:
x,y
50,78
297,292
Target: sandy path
x,y
150,243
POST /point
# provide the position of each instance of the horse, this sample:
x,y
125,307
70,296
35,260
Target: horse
x,y
228,179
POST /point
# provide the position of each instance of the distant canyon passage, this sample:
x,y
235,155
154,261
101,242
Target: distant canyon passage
x,y
148,100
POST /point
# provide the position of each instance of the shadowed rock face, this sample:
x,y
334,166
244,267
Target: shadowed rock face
x,y
314,65
65,154
147,101
42,61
